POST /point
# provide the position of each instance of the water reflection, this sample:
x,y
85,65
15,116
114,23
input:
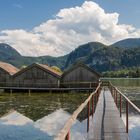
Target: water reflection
x,y
38,105
133,93
49,112
15,126
52,123
134,126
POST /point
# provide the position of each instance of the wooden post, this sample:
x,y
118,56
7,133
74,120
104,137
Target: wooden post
x,y
90,84
68,136
116,98
92,105
127,107
97,94
95,99
58,83
111,90
11,91
88,115
120,105
114,94
29,92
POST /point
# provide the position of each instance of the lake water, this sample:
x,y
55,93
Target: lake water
x,y
40,116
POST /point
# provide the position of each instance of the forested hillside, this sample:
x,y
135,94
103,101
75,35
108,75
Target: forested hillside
x,y
117,57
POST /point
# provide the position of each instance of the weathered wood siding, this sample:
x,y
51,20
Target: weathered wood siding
x,y
80,75
4,78
35,77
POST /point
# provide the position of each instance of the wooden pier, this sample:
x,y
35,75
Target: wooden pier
x,y
104,117
106,123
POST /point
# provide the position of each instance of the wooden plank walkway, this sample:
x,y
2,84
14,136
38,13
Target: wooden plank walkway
x,y
106,123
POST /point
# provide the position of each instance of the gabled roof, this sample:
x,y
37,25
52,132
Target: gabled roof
x,y
41,66
78,64
50,69
10,69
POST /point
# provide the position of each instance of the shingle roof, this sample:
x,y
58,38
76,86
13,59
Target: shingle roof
x,y
8,68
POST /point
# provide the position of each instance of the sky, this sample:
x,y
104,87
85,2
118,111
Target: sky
x,y
52,27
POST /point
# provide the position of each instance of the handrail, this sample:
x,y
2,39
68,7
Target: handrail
x,y
115,91
126,98
65,130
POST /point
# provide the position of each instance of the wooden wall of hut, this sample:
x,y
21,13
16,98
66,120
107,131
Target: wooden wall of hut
x,y
4,78
6,72
36,77
80,76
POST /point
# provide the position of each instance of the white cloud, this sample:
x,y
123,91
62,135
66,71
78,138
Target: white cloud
x,y
15,118
17,126
70,28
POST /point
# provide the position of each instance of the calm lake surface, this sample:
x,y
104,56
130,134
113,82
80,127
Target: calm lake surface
x,y
40,116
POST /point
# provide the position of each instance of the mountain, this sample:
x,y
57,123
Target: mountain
x,y
7,51
83,52
10,55
128,43
52,61
94,54
98,56
105,58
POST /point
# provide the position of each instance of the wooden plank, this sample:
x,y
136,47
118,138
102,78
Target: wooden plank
x,y
106,123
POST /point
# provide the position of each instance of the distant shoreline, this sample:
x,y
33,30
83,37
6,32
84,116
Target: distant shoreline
x,y
119,78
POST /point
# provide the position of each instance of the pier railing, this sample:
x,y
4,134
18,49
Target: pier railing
x,y
118,97
90,103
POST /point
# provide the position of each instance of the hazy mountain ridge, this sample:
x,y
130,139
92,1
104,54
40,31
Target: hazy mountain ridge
x,y
94,54
10,55
128,43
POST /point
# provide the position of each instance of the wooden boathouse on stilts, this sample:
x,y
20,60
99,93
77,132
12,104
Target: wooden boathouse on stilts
x,y
80,75
36,76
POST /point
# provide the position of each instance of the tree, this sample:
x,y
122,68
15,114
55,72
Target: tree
x,y
56,69
23,66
